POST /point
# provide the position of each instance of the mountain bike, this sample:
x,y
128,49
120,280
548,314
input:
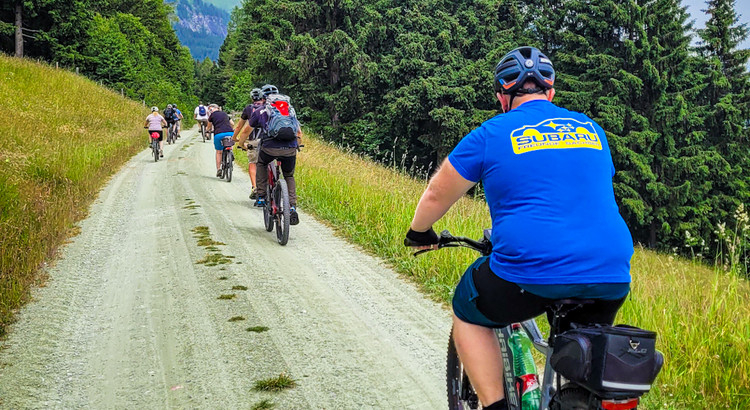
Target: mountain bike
x,y
204,134
557,393
227,158
155,145
172,133
276,210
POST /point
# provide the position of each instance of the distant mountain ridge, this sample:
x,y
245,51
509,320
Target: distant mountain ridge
x,y
201,27
227,5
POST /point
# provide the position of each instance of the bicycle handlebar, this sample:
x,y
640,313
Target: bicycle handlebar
x,y
447,240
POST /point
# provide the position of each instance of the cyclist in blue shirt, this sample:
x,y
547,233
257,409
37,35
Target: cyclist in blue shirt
x,y
556,229
178,119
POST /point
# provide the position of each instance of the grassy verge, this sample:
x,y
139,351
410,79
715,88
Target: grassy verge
x,y
702,316
64,136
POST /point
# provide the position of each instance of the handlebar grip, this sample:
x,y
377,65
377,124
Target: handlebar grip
x,y
411,243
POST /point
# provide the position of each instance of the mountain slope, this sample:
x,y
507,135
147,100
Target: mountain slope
x,y
201,27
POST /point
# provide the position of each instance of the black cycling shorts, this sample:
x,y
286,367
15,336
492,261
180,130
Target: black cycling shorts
x,y
485,299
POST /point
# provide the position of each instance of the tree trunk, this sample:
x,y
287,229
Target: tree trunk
x,y
652,235
19,32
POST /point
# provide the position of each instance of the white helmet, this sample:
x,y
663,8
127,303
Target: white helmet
x,y
154,109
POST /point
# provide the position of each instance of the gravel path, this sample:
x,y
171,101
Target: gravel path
x,y
129,319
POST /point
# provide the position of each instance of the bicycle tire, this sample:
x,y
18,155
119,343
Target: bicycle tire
x,y
572,397
282,221
230,165
461,395
155,149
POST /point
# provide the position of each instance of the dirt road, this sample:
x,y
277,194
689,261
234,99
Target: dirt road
x,y
129,318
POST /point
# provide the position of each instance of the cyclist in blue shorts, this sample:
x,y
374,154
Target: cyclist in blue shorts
x,y
223,127
556,229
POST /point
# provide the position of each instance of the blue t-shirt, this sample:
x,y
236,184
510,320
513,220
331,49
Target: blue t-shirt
x,y
547,175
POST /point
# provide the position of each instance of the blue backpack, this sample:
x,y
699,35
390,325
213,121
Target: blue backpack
x,y
282,119
201,110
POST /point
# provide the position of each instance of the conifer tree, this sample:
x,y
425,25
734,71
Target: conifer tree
x,y
725,106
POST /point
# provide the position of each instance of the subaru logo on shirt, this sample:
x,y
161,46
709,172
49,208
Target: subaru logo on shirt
x,y
555,133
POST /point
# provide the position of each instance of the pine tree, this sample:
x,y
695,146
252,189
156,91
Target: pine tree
x,y
725,105
624,64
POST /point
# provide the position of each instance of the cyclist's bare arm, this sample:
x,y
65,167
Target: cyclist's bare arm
x,y
239,129
244,133
445,188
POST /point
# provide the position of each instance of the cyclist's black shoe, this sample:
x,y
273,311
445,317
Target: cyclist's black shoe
x,y
260,202
293,216
161,155
218,173
253,194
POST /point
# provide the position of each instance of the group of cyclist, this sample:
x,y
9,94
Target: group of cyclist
x,y
252,133
171,120
547,177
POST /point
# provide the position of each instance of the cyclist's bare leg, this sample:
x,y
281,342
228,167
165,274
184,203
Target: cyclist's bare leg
x,y
251,171
479,352
218,160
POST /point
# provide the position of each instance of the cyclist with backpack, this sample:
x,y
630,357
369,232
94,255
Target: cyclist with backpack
x,y
222,127
250,140
556,229
155,123
178,119
201,115
170,116
279,140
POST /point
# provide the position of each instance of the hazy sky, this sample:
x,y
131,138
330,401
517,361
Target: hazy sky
x,y
741,6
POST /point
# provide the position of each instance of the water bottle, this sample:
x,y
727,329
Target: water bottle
x,y
524,367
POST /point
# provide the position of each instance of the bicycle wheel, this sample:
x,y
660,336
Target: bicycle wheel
x,y
461,395
230,165
282,215
203,133
155,149
572,397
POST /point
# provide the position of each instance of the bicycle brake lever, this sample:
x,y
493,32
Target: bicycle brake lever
x,y
421,251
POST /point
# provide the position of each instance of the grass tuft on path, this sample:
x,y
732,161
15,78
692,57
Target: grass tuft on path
x,y
275,384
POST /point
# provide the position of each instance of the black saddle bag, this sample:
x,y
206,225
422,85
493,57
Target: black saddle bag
x,y
609,361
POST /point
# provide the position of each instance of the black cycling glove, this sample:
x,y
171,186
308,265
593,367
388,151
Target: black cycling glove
x,y
414,238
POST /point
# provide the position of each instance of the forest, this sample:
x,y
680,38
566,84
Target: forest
x,y
126,45
402,81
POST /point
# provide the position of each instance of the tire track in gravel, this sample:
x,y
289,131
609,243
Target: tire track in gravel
x,y
128,319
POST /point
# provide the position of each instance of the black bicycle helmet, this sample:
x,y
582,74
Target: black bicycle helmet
x,y
256,94
269,89
522,64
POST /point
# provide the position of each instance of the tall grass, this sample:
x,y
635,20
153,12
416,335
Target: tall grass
x,y
702,315
62,137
